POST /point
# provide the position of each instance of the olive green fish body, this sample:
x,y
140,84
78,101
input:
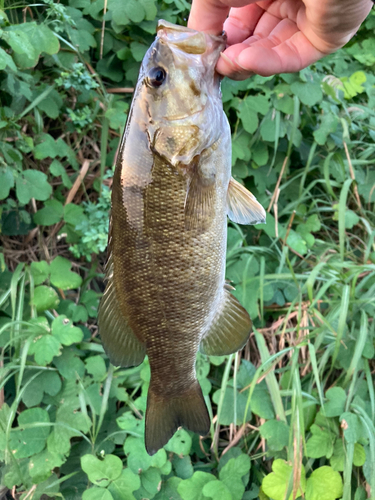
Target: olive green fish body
x,y
166,293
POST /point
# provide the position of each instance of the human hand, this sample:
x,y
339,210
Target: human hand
x,y
277,36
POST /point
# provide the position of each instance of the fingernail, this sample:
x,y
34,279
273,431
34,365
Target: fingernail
x,y
228,60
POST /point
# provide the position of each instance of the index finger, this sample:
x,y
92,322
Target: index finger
x,y
208,16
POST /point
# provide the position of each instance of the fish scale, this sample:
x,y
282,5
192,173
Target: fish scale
x,y
172,190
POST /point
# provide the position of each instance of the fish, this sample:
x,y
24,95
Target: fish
x,y
166,294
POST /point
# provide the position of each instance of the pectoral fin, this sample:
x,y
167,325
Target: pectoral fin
x,y
243,207
200,199
230,328
120,343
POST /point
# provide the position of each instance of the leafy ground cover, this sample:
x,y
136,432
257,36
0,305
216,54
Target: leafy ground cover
x,y
293,414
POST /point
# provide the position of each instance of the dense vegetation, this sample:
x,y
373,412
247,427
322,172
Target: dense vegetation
x,y
293,414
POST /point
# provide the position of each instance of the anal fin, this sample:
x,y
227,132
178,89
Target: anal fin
x,y
230,328
121,345
243,207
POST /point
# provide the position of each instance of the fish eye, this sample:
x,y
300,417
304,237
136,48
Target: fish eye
x,y
156,77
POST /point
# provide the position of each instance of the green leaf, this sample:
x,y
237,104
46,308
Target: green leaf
x,y
191,489
45,297
309,93
28,442
74,214
95,366
45,349
297,242
61,275
32,184
183,467
96,493
334,407
216,489
101,472
328,126
123,487
232,473
276,433
39,271
6,182
138,458
135,11
57,170
138,50
42,465
150,482
276,483
65,332
351,219
50,214
169,489
351,425
180,443
324,484
320,444
17,38
6,60
227,413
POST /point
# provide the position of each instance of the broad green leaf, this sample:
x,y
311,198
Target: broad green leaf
x,y
351,219
297,242
334,407
74,214
351,426
6,60
169,489
232,473
320,443
309,93
217,489
95,493
61,275
42,465
95,365
135,11
45,297
324,484
276,433
65,332
180,443
138,458
150,482
39,271
123,487
275,484
32,184
227,413
183,467
138,50
69,365
50,214
51,382
17,38
28,442
191,489
102,472
45,349
6,181
328,126
57,169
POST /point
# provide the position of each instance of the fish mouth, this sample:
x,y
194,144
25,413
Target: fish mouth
x,y
190,41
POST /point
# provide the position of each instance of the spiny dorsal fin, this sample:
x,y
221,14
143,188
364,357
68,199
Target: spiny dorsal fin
x,y
121,345
243,207
230,328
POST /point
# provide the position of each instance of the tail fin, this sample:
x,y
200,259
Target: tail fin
x,y
165,414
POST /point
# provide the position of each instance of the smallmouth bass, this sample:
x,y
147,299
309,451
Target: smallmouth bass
x,y
172,191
